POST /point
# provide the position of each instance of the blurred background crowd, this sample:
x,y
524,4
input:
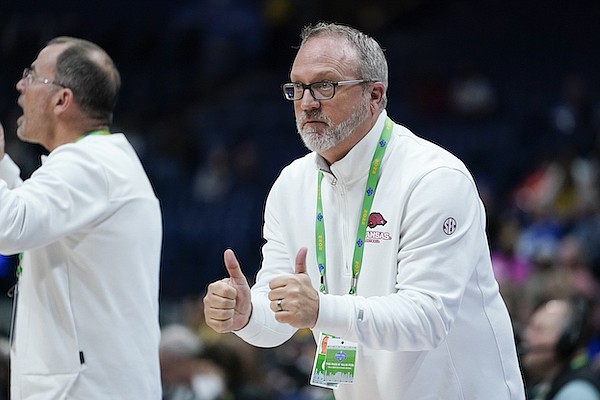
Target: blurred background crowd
x,y
509,86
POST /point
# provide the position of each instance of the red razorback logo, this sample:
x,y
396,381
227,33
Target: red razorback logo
x,y
376,219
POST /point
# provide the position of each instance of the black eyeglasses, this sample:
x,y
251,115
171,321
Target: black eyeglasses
x,y
28,76
323,90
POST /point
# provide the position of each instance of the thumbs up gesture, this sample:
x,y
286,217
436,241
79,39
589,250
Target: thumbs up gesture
x,y
293,298
227,305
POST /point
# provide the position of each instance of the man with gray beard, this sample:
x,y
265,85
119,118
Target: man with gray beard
x,y
376,242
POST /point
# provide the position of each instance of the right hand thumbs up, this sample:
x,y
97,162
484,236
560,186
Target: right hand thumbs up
x,y
227,304
236,277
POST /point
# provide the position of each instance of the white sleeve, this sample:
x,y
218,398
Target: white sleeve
x,y
67,192
10,172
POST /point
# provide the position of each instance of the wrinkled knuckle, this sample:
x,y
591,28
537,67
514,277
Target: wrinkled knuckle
x,y
297,290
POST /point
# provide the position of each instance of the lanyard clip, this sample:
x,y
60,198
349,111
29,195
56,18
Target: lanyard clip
x,y
353,285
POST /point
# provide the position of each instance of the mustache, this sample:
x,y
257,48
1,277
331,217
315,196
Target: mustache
x,y
313,115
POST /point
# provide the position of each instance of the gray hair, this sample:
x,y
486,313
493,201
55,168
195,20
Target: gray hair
x,y
372,63
90,73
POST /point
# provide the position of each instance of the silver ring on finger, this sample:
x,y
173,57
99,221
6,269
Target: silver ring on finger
x,y
279,306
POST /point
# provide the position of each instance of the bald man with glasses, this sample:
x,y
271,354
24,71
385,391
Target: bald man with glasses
x,y
88,228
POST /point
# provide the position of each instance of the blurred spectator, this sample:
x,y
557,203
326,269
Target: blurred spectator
x,y
572,117
213,179
243,367
472,95
185,375
536,198
545,282
510,268
571,258
554,355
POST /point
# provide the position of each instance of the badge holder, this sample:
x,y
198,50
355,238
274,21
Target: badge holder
x,y
335,362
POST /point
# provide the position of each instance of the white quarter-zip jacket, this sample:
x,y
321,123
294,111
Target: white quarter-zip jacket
x,y
90,228
428,316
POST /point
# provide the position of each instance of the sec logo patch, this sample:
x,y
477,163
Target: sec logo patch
x,y
449,226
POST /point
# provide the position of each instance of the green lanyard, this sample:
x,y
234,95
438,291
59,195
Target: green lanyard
x,y
98,132
19,269
372,180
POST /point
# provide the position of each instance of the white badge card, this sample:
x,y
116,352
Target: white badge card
x,y
317,377
340,361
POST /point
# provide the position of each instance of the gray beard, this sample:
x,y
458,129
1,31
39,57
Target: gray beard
x,y
332,135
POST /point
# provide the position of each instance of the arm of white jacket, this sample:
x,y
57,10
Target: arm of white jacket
x,y
10,172
433,271
66,193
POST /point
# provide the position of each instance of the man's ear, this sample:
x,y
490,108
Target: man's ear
x,y
63,100
377,92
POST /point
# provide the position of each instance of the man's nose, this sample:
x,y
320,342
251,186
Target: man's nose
x,y
308,101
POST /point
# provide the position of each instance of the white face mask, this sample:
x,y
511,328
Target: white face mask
x,y
207,386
